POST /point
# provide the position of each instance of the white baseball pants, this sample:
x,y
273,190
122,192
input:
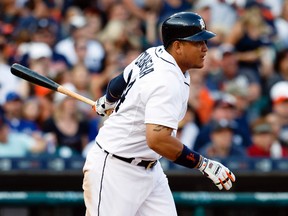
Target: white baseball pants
x,y
116,188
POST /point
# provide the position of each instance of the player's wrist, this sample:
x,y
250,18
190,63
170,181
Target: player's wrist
x,y
109,98
108,102
188,158
202,163
103,107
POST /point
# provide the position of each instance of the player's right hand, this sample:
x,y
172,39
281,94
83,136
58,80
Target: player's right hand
x,y
218,173
103,107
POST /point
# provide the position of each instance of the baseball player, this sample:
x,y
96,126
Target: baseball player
x,y
122,175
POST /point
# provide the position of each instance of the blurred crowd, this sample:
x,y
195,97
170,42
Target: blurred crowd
x,y
238,105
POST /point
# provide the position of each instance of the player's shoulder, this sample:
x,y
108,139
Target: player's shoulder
x,y
156,63
159,53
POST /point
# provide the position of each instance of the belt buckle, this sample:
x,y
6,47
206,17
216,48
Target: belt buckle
x,y
151,164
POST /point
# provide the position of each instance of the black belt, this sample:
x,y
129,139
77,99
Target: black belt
x,y
143,163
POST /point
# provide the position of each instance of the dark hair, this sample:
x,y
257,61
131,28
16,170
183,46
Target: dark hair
x,y
260,125
280,55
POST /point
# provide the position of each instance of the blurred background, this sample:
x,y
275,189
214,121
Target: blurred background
x,y
237,111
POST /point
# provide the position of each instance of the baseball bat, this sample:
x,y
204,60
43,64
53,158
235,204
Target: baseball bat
x,y
38,79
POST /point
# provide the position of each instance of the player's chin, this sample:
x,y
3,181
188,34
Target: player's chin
x,y
199,65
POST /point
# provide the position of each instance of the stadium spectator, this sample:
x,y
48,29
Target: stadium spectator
x,y
279,99
95,22
18,144
219,16
245,87
39,60
168,7
80,46
279,74
9,18
275,122
8,82
223,15
221,144
45,32
67,125
224,108
9,14
121,35
65,23
31,111
263,139
140,9
36,11
229,71
188,129
13,108
245,109
80,77
280,70
121,32
281,24
46,108
251,38
274,7
200,98
95,56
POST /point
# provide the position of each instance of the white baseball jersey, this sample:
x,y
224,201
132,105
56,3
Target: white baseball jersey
x,y
157,93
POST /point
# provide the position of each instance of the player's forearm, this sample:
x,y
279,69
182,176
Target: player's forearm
x,y
169,147
172,149
160,140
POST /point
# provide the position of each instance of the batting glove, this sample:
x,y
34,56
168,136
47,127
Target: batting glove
x,y
103,107
218,173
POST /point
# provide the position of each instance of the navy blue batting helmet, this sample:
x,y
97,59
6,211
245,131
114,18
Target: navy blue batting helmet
x,y
186,26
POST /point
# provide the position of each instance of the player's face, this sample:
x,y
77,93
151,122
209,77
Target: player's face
x,y
193,54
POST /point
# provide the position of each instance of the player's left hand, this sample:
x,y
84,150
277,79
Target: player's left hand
x,y
218,173
103,107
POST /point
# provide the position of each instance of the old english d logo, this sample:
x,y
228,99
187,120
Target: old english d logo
x,y
202,24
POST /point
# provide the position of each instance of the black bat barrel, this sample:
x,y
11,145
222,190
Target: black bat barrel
x,y
33,77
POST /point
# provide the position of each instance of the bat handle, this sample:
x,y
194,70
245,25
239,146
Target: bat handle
x,y
75,95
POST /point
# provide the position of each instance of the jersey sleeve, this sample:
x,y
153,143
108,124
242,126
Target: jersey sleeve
x,y
127,71
163,103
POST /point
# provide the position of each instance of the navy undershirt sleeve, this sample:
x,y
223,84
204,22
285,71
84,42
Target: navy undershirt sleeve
x,y
115,88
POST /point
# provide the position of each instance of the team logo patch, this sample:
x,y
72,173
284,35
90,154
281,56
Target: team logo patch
x,y
202,24
191,157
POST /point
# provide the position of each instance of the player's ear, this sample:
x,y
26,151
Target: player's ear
x,y
176,45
